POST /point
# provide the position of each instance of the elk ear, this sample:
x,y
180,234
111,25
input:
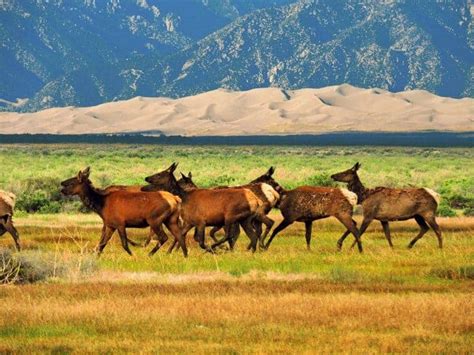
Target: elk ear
x,y
271,171
172,167
356,166
86,172
183,176
190,175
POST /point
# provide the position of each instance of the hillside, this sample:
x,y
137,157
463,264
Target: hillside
x,y
88,52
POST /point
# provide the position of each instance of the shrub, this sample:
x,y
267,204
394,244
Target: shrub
x,y
469,211
321,180
36,266
40,195
444,210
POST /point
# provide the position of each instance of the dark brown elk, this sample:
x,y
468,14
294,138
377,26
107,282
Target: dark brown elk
x,y
212,207
390,204
309,203
7,204
123,209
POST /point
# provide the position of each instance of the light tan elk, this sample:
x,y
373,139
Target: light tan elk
x,y
7,204
390,204
123,209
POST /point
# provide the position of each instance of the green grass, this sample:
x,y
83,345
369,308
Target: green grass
x,y
34,171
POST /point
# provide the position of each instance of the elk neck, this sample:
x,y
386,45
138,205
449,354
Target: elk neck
x,y
358,188
92,199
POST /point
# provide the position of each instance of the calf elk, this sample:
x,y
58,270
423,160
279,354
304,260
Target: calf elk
x,y
7,204
309,203
121,209
389,204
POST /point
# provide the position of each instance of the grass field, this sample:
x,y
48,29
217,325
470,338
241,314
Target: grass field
x,y
286,299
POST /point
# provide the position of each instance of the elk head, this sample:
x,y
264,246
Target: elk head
x,y
267,178
348,175
162,180
186,182
74,185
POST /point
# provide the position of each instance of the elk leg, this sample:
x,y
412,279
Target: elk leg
x,y
173,225
268,226
157,228
228,236
386,230
341,240
349,223
107,233
434,225
423,229
159,236
200,231
179,235
247,226
308,229
123,239
12,230
213,232
285,223
235,235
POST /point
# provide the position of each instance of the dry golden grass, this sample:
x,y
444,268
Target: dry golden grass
x,y
232,317
284,300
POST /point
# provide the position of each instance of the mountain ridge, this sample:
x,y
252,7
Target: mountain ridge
x,y
84,52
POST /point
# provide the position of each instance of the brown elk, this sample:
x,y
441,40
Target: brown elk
x,y
390,204
212,207
187,183
137,188
7,204
309,203
123,209
268,198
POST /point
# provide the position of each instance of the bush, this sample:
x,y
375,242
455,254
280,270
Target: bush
x,y
321,180
36,266
40,195
445,210
469,211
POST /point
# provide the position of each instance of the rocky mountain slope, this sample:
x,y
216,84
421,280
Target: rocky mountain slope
x,y
86,52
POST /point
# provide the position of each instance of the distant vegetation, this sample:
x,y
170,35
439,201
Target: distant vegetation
x,y
34,172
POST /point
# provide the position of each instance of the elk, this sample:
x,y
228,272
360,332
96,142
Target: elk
x,y
121,209
390,204
309,203
212,207
268,197
137,188
187,183
7,204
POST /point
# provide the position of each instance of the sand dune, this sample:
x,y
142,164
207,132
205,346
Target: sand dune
x,y
254,112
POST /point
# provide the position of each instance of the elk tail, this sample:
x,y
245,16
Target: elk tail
x,y
436,196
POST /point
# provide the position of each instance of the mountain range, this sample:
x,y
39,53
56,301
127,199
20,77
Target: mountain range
x,y
87,52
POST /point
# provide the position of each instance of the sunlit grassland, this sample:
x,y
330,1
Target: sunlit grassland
x,y
214,165
286,299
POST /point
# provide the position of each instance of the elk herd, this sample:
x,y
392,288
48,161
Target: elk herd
x,y
180,205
